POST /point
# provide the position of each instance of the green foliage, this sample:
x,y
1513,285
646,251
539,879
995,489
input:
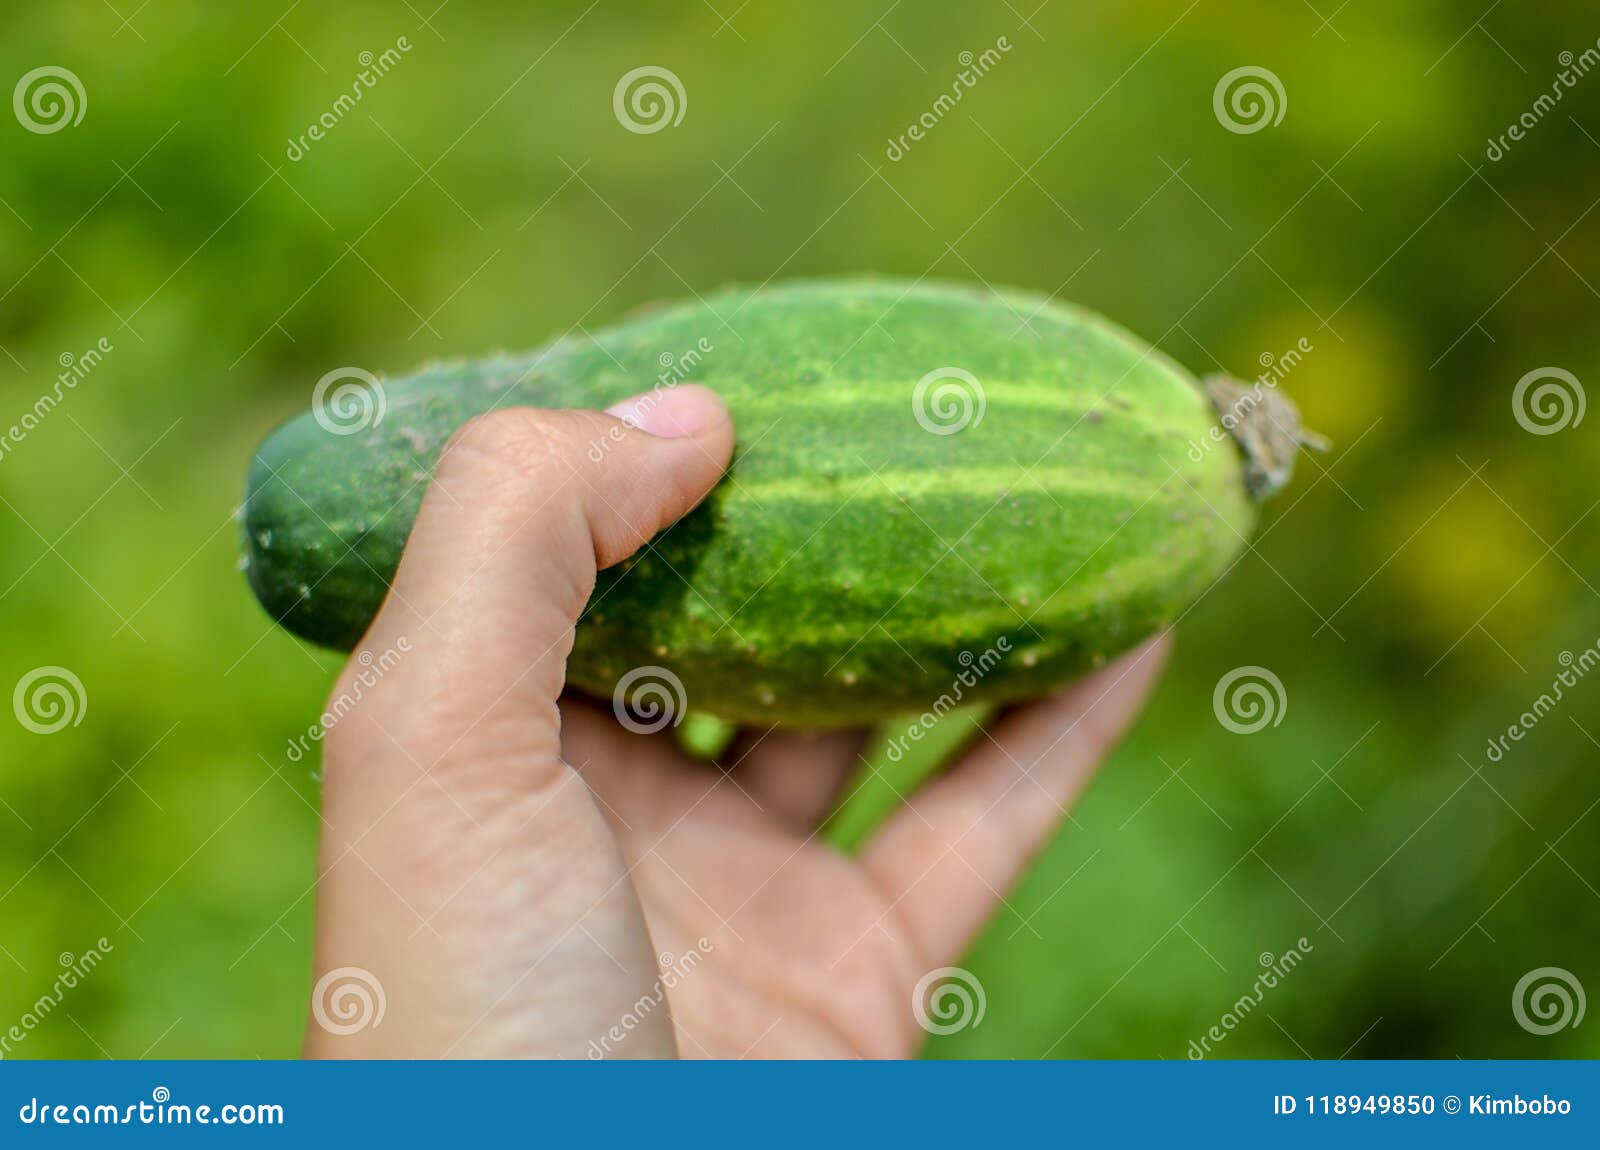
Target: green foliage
x,y
1413,591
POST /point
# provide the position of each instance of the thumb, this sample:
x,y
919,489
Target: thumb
x,y
464,868
525,508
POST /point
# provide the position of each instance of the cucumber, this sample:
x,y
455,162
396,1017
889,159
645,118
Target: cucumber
x,y
939,493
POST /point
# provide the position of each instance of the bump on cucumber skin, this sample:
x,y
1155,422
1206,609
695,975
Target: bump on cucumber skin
x,y
703,736
852,557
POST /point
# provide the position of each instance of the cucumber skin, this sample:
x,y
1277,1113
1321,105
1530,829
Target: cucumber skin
x,y
853,563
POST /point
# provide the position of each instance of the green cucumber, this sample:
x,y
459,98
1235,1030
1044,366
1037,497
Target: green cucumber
x,y
938,492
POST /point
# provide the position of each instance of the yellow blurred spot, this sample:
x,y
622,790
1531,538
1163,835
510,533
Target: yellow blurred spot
x,y
1342,389
1470,555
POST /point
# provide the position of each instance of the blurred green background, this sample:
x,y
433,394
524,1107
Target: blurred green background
x,y
1413,591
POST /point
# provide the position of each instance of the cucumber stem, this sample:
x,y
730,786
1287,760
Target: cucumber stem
x,y
1265,424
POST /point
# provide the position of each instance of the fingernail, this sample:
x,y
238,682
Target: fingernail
x,y
671,412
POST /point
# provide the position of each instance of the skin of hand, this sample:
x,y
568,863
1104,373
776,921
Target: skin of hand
x,y
511,873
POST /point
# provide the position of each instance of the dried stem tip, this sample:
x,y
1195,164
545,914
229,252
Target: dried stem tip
x,y
1266,426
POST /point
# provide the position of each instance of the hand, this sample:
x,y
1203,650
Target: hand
x,y
504,868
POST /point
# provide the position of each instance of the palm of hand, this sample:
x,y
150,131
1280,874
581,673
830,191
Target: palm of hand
x,y
778,945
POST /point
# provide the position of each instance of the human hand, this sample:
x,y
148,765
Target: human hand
x,y
511,866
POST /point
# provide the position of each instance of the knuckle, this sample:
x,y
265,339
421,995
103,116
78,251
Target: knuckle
x,y
510,448
510,435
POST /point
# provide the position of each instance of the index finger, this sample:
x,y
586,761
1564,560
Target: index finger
x,y
948,856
